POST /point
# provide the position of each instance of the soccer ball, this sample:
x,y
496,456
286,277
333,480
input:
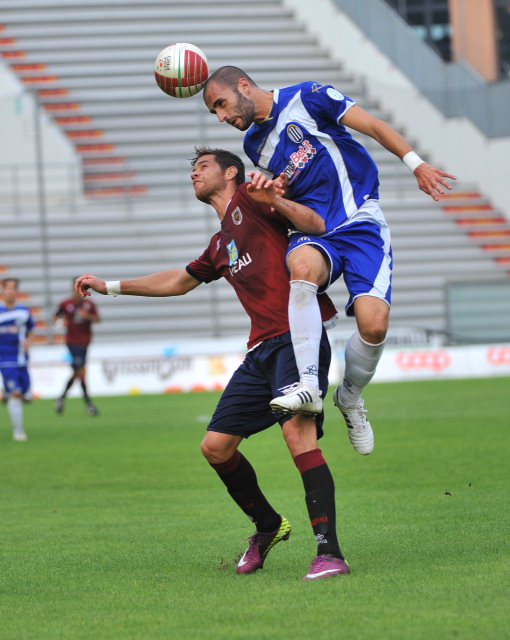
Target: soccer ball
x,y
181,70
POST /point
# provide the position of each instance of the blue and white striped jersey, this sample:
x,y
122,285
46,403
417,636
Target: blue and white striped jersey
x,y
328,170
15,326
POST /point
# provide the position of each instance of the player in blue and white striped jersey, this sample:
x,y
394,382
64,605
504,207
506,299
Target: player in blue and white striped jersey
x,y
16,324
298,136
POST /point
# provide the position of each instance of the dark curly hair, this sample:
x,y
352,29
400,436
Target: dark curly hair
x,y
224,158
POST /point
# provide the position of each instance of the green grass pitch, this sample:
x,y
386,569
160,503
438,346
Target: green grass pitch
x,y
116,527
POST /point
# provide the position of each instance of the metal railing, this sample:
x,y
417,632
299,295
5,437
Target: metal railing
x,y
20,190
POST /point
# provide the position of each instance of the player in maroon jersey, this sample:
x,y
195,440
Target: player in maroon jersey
x,y
79,315
249,251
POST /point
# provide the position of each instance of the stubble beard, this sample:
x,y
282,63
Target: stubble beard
x,y
246,112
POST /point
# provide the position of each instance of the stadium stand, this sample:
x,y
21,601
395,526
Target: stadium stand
x,y
91,64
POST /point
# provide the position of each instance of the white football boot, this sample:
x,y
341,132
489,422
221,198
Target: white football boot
x,y
298,398
358,427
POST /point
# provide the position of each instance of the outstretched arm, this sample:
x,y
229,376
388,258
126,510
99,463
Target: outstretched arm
x,y
176,282
431,180
269,192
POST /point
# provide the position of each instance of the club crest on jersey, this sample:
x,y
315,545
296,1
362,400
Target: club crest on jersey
x,y
237,216
294,133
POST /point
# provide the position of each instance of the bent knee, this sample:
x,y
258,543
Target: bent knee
x,y
375,335
308,263
373,327
214,453
302,271
300,436
208,452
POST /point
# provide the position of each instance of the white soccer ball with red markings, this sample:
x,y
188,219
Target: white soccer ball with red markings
x,y
181,70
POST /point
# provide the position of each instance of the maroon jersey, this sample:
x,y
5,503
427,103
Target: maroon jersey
x,y
79,330
249,251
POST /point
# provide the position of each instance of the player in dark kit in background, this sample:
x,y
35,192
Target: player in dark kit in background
x,y
249,252
78,315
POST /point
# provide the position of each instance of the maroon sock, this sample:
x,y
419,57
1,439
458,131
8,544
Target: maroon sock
x,y
320,500
240,478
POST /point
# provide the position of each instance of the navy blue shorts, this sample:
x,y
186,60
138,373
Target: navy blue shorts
x,y
78,356
243,408
16,380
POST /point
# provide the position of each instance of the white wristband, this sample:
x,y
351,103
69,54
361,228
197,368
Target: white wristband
x,y
412,160
113,287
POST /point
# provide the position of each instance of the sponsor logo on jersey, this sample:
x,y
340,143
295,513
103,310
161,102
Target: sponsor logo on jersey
x,y
242,262
233,253
237,216
300,158
316,87
237,262
12,328
294,133
304,154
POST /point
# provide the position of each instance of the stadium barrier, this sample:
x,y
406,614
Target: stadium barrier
x,y
159,367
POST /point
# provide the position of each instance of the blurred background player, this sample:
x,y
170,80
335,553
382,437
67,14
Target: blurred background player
x,y
16,324
249,252
78,315
299,133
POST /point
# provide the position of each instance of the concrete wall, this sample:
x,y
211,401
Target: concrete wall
x,y
474,35
454,144
18,143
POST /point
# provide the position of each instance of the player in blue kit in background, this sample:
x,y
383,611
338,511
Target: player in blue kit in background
x,y
298,134
16,324
249,252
